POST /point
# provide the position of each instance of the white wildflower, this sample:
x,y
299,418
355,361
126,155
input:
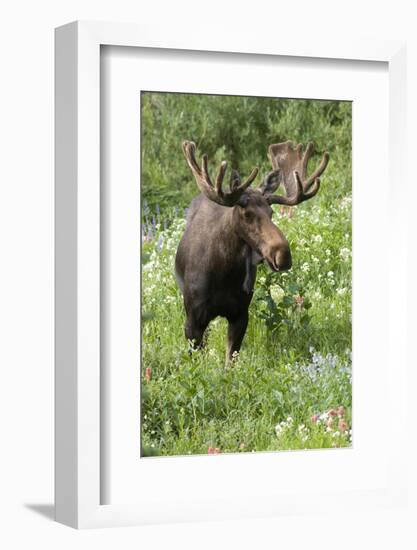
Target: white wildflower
x,y
277,293
345,254
341,291
346,202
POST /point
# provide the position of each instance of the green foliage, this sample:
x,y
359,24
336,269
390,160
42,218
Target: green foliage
x,y
238,129
295,362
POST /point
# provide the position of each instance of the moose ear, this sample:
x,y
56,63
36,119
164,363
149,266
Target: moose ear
x,y
271,182
243,200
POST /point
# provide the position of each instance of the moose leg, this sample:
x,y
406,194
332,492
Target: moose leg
x,y
194,331
235,334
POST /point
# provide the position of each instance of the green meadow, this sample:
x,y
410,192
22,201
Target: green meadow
x,y
290,386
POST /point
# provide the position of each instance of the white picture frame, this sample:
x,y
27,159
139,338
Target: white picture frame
x,y
78,404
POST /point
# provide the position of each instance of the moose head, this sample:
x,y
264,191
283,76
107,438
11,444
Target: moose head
x,y
252,212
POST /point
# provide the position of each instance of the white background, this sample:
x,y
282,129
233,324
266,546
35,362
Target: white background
x,y
26,285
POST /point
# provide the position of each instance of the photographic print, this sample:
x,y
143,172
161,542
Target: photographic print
x,y
246,274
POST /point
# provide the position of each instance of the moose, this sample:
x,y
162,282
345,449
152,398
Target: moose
x,y
228,233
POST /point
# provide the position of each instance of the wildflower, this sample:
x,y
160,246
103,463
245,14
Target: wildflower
x,y
346,202
235,356
277,293
149,236
213,451
278,429
159,244
148,373
299,300
305,267
329,423
344,254
314,418
341,411
343,425
341,291
318,238
332,412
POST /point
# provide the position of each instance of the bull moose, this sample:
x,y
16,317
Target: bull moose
x,y
229,232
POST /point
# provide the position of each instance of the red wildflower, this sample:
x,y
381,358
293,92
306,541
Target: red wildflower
x,y
341,412
343,425
299,300
148,373
213,451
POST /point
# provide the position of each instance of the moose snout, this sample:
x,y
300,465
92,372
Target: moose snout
x,y
283,260
279,257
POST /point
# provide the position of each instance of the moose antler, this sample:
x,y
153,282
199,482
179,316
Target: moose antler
x,y
215,192
291,164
